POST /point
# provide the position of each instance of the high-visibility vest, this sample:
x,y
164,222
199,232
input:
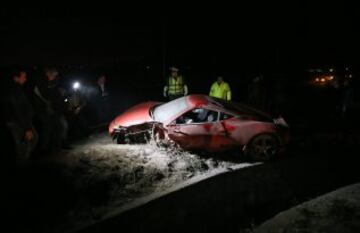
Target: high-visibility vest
x,y
221,91
176,85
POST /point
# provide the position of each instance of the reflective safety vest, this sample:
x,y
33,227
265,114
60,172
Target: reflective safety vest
x,y
176,85
221,91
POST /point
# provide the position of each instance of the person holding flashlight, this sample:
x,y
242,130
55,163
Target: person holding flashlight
x,y
75,99
77,110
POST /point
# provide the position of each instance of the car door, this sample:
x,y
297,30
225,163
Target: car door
x,y
199,129
222,138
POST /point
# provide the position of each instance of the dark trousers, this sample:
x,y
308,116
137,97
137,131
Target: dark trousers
x,y
103,110
23,149
53,132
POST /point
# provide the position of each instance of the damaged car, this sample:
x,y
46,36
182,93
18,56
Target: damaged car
x,y
200,122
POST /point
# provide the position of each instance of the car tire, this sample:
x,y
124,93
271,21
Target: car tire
x,y
120,138
261,148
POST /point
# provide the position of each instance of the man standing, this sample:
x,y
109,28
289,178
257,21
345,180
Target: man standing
x,y
76,110
176,86
220,89
19,115
54,126
101,81
257,94
102,99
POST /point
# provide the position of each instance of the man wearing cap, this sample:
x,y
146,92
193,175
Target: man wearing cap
x,y
176,86
220,89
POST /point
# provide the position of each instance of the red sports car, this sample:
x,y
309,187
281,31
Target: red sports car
x,y
199,122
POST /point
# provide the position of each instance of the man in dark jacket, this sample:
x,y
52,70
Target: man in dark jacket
x,y
102,104
257,93
19,115
50,110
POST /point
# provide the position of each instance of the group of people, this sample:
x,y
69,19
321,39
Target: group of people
x,y
37,118
176,87
260,94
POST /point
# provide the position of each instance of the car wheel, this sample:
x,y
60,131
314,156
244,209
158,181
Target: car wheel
x,y
262,148
120,138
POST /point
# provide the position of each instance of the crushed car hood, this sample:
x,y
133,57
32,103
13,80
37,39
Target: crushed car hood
x,y
138,114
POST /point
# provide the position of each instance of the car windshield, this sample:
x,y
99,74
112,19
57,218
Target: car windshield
x,y
198,115
165,111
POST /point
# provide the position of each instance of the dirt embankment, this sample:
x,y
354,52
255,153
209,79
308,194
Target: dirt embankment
x,y
97,178
240,200
335,212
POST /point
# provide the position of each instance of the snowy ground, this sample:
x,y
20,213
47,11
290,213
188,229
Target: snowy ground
x,y
111,178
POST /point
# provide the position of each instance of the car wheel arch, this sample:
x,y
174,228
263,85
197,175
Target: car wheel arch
x,y
246,149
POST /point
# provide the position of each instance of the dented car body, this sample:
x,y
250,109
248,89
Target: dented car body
x,y
199,122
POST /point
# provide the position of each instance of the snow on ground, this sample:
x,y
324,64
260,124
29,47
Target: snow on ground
x,y
112,178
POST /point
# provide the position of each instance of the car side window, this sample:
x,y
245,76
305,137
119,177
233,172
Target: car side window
x,y
225,116
198,115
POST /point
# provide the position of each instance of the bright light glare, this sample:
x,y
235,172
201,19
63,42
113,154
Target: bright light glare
x,y
322,80
76,85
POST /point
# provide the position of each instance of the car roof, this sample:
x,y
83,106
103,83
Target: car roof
x,y
197,100
218,104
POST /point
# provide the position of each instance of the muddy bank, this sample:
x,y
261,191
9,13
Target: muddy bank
x,y
338,211
98,177
240,200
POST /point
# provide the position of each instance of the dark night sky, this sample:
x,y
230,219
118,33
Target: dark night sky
x,y
254,37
